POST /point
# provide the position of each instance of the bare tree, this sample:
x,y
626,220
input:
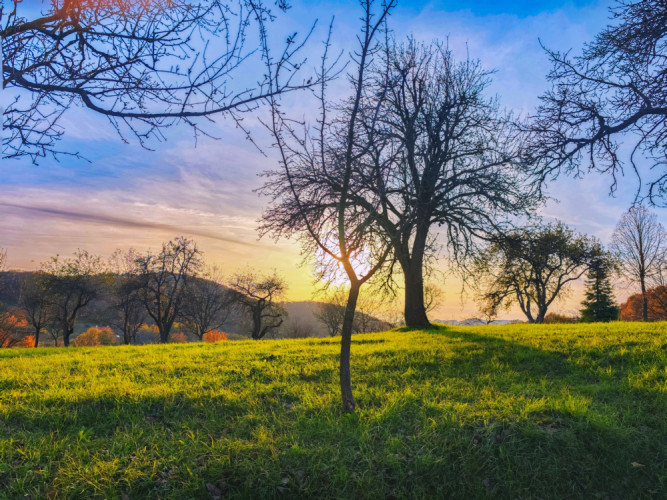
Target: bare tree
x,y
34,300
311,194
163,279
129,311
331,311
614,90
207,303
72,284
640,244
3,259
532,267
453,160
259,296
143,65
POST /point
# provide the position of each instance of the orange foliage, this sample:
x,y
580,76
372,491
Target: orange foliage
x,y
95,337
179,338
28,341
215,336
631,310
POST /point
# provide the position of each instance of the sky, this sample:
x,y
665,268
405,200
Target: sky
x,y
128,196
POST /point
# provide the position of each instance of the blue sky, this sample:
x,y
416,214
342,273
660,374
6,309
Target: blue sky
x,y
128,196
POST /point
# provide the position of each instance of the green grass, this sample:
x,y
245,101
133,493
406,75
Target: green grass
x,y
577,411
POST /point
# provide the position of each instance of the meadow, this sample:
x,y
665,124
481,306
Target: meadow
x,y
516,411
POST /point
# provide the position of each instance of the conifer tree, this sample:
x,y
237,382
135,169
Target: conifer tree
x,y
599,304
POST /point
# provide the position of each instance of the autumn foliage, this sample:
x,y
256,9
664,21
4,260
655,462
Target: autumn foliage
x,y
95,337
178,338
631,310
215,336
10,329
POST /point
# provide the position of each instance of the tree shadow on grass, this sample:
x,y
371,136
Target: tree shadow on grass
x,y
486,417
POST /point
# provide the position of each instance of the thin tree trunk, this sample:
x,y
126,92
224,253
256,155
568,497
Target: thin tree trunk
x,y
349,403
644,301
37,332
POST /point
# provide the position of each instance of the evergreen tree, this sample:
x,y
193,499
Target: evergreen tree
x,y
599,304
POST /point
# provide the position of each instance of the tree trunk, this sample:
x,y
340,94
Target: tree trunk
x,y
413,272
164,334
349,404
37,332
644,301
415,311
66,334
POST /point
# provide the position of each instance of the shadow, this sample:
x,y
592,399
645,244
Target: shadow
x,y
470,416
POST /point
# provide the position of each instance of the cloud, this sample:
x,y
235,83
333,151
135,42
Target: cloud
x,y
120,222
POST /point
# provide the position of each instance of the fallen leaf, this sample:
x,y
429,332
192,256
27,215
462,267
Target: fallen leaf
x,y
637,464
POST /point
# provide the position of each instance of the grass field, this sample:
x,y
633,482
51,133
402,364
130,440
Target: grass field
x,y
577,411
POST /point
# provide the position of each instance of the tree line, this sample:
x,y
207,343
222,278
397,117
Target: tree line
x,y
163,288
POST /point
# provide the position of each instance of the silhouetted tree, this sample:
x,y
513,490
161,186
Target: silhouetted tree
x,y
207,303
532,267
640,244
615,89
599,304
441,155
72,284
144,65
163,279
34,301
129,310
311,194
259,296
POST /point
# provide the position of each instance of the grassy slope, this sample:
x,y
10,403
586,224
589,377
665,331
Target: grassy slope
x,y
510,411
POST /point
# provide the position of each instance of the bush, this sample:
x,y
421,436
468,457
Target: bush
x,y
178,338
95,337
28,341
215,336
560,318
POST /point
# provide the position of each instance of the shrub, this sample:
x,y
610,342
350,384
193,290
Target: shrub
x,y
28,341
95,337
560,318
215,336
178,338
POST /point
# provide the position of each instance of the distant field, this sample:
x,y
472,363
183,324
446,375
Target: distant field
x,y
519,411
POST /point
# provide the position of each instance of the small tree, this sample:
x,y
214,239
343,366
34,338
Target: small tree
x,y
640,244
259,296
532,267
163,278
599,304
207,304
129,311
34,300
72,284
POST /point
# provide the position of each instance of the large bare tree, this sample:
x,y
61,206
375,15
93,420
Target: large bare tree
x,y
311,192
640,244
444,158
163,278
614,92
531,268
145,65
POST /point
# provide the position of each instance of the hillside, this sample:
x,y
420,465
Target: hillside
x,y
517,411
